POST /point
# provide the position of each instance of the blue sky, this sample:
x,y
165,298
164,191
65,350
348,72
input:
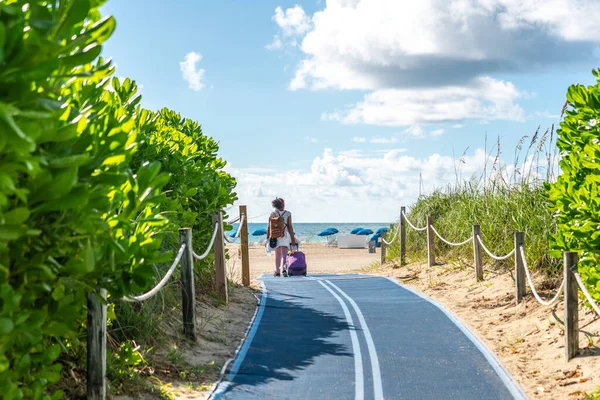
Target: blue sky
x,y
339,106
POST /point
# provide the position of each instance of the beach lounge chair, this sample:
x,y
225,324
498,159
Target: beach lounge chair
x,y
331,241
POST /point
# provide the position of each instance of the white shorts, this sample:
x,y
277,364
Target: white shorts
x,y
284,241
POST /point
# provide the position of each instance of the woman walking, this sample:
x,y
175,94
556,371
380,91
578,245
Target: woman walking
x,y
280,233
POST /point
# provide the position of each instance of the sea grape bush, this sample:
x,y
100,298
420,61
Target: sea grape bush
x,y
198,185
575,196
70,206
78,208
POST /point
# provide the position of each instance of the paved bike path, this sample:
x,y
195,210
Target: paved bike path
x,y
358,337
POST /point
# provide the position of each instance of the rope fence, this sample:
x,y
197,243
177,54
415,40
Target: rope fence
x,y
532,286
394,238
97,303
411,225
568,288
587,294
237,234
489,253
210,245
449,242
151,293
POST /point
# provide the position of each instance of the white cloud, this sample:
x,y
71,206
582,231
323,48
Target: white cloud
x,y
293,24
438,132
376,140
375,44
190,73
414,130
382,140
353,185
312,139
458,126
275,44
485,98
406,53
293,21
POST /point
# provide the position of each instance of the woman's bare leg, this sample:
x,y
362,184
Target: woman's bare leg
x,y
284,251
277,260
280,256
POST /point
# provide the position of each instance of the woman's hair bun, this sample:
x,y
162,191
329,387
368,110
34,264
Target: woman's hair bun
x,y
278,203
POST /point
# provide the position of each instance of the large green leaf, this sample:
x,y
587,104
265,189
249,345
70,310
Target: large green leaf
x,y
6,325
16,216
6,115
76,13
75,199
86,56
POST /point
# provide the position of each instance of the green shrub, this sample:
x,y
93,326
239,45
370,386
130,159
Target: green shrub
x,y
575,197
198,186
83,201
73,215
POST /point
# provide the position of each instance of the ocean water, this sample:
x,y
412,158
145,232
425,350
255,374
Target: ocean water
x,y
311,230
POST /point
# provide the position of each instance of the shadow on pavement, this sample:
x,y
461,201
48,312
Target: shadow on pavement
x,y
291,335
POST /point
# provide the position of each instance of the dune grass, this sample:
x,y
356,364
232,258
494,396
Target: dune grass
x,y
503,199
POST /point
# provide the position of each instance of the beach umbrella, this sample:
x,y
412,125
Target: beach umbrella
x,y
259,232
364,232
327,232
332,230
381,230
232,234
355,230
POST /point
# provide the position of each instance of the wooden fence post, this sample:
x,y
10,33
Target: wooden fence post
x,y
244,247
402,236
430,242
383,248
571,306
519,268
96,345
188,290
220,266
477,253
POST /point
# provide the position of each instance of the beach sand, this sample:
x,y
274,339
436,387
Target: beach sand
x,y
320,259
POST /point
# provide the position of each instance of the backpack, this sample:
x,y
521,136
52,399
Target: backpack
x,y
277,225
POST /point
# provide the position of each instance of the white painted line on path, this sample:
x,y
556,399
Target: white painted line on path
x,y
359,393
377,386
